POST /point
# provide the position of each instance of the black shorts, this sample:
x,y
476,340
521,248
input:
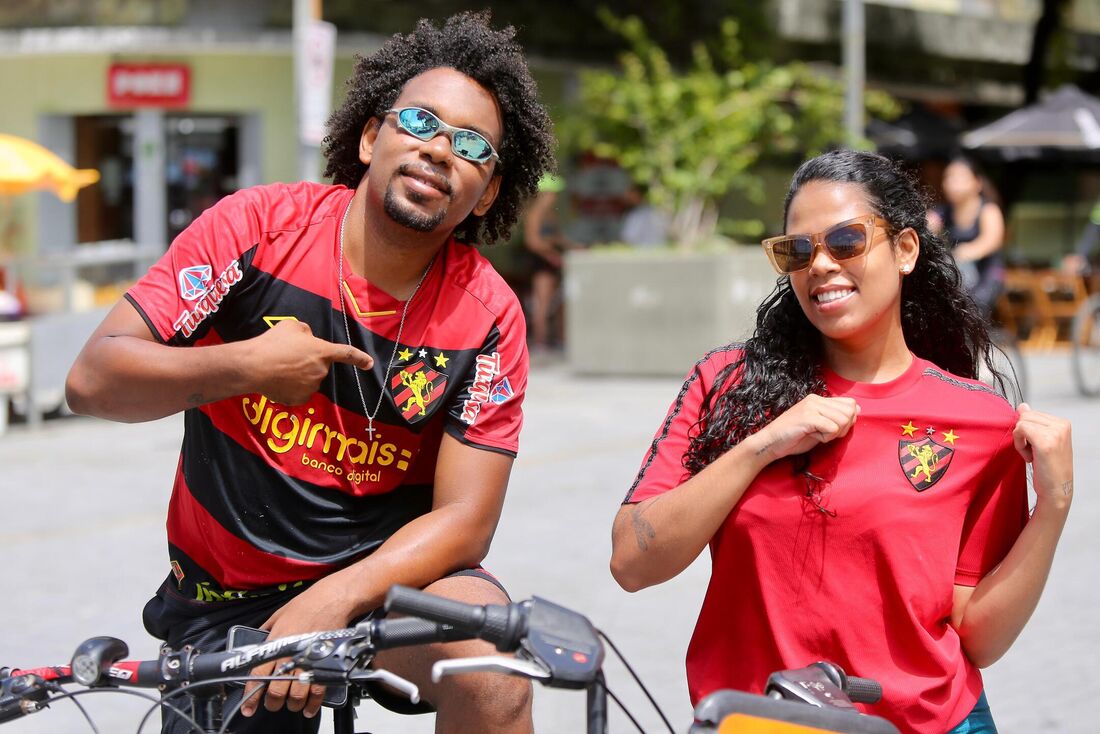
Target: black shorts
x,y
180,621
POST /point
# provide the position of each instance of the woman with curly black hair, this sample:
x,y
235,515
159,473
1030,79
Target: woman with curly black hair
x,y
863,496
352,372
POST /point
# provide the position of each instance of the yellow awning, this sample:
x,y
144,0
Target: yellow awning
x,y
27,166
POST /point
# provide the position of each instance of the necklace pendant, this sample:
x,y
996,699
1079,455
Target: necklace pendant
x,y
370,429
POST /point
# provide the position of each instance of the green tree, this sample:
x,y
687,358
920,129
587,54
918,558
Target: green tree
x,y
696,134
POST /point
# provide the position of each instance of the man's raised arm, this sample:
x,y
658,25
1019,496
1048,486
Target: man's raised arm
x,y
124,374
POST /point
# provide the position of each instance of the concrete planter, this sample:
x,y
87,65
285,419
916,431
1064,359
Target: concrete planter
x,y
631,312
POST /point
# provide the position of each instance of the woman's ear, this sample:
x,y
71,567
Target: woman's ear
x,y
906,250
366,140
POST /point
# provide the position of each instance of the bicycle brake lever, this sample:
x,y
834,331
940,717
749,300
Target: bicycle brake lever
x,y
393,681
489,664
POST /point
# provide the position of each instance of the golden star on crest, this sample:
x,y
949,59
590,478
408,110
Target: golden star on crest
x,y
405,354
950,436
908,428
441,360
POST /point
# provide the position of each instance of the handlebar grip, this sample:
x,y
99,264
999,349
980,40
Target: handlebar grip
x,y
502,624
389,633
863,690
468,617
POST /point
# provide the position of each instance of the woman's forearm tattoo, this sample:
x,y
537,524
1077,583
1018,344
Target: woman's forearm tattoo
x,y
643,531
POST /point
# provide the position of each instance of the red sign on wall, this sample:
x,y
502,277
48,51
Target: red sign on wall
x,y
148,85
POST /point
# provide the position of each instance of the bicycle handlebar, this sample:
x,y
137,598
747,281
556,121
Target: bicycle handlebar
x,y
329,656
561,642
823,684
502,625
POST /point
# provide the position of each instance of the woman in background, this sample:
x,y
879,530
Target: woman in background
x,y
971,221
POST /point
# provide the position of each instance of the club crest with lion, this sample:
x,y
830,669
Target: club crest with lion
x,y
415,390
924,460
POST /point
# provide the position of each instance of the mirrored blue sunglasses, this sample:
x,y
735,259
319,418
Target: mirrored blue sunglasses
x,y
467,144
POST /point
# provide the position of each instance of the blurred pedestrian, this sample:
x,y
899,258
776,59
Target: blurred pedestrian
x,y
1082,260
644,225
971,220
545,242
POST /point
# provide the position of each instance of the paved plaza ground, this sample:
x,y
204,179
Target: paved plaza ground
x,y
82,528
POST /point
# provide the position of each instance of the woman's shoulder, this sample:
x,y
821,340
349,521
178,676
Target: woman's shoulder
x,y
969,395
713,363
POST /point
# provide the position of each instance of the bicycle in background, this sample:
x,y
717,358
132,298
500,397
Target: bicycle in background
x,y
1086,337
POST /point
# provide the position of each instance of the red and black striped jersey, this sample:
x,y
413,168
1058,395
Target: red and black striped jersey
x,y
269,495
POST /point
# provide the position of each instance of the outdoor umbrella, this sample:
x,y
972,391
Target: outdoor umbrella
x,y
1064,125
27,166
916,135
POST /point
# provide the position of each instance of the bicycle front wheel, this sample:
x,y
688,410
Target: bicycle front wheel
x,y
1086,347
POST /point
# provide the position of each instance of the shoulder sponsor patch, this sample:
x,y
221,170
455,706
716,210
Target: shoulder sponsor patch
x,y
209,299
194,281
502,392
486,367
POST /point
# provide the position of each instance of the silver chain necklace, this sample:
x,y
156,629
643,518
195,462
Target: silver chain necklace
x,y
347,329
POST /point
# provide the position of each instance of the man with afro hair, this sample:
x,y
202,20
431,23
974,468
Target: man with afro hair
x,y
350,370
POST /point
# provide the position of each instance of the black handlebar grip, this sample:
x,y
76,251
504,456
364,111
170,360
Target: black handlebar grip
x,y
468,617
863,690
94,656
389,633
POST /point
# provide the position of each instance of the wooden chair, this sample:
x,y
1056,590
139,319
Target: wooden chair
x,y
1039,305
1016,309
1058,296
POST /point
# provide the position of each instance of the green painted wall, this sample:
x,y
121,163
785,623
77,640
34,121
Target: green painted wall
x,y
33,86
221,83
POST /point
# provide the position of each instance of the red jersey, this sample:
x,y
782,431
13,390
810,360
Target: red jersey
x,y
857,567
266,495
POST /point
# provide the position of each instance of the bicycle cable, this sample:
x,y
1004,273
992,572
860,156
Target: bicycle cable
x,y
622,708
162,701
71,695
57,689
637,680
229,715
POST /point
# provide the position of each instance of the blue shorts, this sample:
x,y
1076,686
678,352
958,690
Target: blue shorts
x,y
980,720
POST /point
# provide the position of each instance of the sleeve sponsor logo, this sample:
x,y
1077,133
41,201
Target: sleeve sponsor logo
x,y
502,392
194,281
485,369
208,302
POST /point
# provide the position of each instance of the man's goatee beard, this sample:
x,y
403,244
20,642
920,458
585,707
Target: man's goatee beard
x,y
408,218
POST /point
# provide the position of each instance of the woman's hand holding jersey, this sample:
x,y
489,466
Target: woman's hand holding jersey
x,y
991,615
1045,442
811,421
125,374
656,539
288,362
